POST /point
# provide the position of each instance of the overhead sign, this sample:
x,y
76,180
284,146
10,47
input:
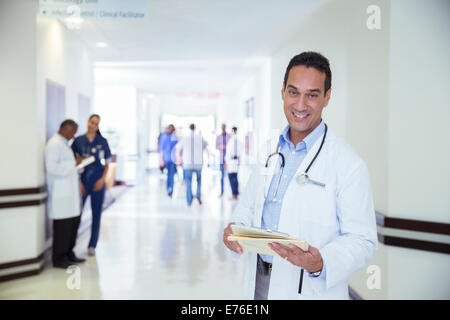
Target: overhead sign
x,y
94,9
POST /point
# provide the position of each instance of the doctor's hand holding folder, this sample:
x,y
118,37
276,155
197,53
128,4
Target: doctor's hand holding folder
x,y
239,238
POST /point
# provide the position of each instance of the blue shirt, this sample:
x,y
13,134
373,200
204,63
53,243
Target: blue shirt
x,y
98,148
221,141
167,143
293,156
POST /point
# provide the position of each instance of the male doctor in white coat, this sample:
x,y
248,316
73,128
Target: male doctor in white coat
x,y
315,188
64,195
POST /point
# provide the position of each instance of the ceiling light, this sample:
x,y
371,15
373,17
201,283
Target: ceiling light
x,y
101,44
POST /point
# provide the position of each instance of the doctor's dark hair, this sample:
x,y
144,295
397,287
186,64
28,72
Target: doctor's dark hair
x,y
314,60
96,116
68,123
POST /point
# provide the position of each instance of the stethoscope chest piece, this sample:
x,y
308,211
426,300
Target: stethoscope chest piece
x,y
301,179
304,179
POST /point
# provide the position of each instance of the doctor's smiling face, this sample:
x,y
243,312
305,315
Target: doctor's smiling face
x,y
304,98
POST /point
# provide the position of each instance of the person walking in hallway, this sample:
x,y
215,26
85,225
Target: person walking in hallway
x,y
233,158
221,145
190,154
167,143
161,167
92,143
63,194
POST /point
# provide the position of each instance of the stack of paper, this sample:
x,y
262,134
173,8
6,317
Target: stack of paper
x,y
257,240
86,162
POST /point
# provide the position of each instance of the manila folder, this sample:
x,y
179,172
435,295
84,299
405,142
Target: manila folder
x,y
260,243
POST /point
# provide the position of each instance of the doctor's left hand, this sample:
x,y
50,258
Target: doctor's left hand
x,y
310,260
99,184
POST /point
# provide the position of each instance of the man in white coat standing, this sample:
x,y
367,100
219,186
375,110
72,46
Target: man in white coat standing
x,y
313,186
64,195
233,158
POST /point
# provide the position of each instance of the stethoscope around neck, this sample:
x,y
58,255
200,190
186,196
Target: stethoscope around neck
x,y
301,179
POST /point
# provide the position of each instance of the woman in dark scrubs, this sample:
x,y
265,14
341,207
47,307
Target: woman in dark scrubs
x,y
93,177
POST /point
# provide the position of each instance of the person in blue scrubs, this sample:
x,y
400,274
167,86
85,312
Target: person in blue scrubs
x,y
167,143
93,177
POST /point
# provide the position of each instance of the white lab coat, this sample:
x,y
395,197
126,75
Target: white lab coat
x,y
339,220
62,179
234,149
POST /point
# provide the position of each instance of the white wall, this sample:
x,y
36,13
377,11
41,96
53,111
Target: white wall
x,y
258,87
419,140
419,153
62,58
18,124
19,164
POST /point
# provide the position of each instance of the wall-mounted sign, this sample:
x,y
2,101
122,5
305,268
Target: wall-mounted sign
x,y
94,9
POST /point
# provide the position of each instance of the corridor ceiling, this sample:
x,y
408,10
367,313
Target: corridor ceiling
x,y
206,44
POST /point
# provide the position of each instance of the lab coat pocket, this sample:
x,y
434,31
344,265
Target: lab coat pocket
x,y
318,213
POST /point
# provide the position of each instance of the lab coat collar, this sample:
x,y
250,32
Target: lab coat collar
x,y
311,152
62,138
308,141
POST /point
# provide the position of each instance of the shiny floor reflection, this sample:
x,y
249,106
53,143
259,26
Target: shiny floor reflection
x,y
150,247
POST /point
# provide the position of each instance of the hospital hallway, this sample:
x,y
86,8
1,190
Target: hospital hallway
x,y
150,247
339,109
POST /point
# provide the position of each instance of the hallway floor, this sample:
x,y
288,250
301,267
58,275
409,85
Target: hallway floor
x,y
150,247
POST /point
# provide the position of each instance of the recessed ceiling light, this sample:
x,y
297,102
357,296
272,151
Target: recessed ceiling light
x,y
101,44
